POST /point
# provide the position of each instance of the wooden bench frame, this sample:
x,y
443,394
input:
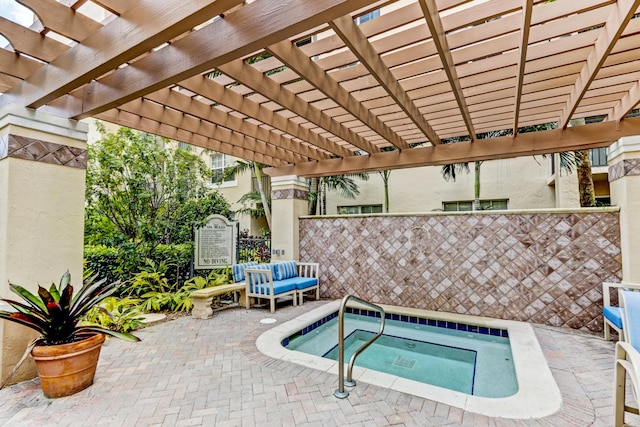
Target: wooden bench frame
x,y
203,298
265,289
304,269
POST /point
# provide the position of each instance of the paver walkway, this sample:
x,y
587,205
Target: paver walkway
x,y
208,372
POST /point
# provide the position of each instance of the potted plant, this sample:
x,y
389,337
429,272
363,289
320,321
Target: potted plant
x,y
66,353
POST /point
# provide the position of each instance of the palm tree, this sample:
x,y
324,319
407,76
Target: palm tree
x,y
386,174
319,187
243,166
569,161
449,171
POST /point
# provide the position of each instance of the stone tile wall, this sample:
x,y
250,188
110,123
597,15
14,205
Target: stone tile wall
x,y
540,267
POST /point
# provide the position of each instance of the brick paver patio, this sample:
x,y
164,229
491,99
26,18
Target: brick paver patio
x,y
208,372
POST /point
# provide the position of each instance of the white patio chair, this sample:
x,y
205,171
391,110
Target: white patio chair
x,y
628,358
612,314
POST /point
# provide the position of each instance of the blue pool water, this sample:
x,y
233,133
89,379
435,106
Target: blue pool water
x,y
459,358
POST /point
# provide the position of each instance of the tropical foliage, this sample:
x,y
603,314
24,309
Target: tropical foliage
x,y
56,313
118,314
257,203
141,193
156,293
345,185
569,162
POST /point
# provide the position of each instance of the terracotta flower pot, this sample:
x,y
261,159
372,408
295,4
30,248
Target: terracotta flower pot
x,y
67,368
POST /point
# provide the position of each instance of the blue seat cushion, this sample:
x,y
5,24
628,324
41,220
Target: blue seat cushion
x,y
613,314
279,287
304,282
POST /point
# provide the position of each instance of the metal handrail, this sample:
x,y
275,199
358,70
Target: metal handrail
x,y
341,393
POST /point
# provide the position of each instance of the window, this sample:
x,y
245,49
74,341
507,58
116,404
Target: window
x,y
361,209
467,205
598,157
184,146
219,164
367,17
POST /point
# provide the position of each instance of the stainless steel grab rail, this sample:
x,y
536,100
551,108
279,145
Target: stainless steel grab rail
x,y
341,393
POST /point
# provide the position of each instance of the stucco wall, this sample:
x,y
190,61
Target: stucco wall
x,y
42,186
544,267
523,180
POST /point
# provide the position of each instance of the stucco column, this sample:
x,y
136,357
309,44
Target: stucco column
x,y
624,182
289,201
42,184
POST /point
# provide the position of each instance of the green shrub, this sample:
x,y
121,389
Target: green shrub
x,y
125,261
122,315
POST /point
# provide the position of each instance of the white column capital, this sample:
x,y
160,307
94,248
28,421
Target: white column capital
x,y
288,181
625,145
34,120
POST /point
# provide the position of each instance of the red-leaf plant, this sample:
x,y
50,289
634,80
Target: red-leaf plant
x,y
56,313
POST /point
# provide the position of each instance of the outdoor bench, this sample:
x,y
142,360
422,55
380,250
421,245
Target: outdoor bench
x,y
203,298
271,281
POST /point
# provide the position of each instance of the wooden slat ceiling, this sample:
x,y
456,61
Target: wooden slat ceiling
x,y
302,86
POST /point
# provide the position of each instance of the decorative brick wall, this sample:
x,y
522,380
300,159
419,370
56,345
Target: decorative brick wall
x,y
540,267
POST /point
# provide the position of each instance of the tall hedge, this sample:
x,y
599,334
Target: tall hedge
x,y
123,262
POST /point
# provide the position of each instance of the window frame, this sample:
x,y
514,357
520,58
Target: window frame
x,y
216,169
359,208
470,204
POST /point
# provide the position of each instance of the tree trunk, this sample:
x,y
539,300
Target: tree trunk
x,y
263,197
585,180
313,200
385,178
476,186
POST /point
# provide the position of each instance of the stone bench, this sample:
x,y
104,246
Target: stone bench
x,y
203,298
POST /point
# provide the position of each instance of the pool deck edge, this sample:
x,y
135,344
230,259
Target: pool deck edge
x,y
538,394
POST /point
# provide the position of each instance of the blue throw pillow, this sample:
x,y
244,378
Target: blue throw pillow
x,y
284,270
258,280
238,270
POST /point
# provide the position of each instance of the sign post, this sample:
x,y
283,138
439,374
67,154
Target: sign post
x,y
215,243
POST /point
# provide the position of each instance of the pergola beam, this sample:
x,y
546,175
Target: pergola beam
x,y
626,104
295,59
609,35
252,78
188,105
218,93
196,54
167,130
360,46
135,33
525,144
16,65
527,11
432,16
193,124
25,40
61,19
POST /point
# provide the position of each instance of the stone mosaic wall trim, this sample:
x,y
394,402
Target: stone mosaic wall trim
x,y
289,193
42,151
545,268
624,168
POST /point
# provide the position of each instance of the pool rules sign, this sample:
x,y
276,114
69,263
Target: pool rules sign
x,y
215,243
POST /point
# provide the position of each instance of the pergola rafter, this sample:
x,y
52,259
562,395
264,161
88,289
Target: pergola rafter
x,y
611,32
360,46
527,11
220,94
283,96
333,87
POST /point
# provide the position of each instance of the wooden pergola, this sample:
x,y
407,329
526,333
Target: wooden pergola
x,y
305,87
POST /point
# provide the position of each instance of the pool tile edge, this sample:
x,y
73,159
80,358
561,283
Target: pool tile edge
x,y
538,394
